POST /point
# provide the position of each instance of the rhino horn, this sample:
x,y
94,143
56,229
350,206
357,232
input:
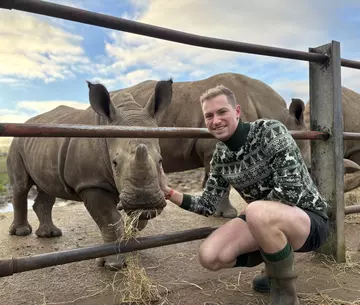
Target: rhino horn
x,y
141,153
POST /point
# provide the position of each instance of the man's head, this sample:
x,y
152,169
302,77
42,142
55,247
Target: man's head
x,y
221,112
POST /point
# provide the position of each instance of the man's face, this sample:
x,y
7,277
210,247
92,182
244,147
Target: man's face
x,y
221,118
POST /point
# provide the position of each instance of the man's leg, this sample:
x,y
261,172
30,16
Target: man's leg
x,y
319,233
270,225
274,228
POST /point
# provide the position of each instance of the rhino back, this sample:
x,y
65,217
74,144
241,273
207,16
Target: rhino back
x,y
62,166
351,110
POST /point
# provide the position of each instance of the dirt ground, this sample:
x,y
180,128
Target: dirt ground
x,y
173,269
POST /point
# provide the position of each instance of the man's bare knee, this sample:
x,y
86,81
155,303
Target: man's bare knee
x,y
257,214
208,257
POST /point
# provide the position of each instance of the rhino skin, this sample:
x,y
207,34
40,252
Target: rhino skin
x,y
351,123
96,171
257,100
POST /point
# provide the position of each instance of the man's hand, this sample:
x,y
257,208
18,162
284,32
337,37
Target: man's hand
x,y
163,181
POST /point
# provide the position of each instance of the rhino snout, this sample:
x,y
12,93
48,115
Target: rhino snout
x,y
143,200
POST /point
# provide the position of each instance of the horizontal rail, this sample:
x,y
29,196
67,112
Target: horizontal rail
x,y
351,135
120,24
115,23
16,265
352,209
79,131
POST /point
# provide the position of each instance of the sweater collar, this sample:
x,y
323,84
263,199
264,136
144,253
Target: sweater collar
x,y
238,138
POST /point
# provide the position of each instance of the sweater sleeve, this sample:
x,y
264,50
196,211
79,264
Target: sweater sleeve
x,y
215,188
286,164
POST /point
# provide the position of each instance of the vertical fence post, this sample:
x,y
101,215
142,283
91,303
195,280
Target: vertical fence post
x,y
327,167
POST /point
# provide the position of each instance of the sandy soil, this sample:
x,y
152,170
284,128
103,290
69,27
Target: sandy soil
x,y
174,269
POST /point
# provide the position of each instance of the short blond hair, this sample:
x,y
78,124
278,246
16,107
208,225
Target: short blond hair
x,y
216,91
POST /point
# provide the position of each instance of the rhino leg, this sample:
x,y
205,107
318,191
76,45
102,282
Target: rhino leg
x,y
101,205
21,184
43,207
20,225
225,208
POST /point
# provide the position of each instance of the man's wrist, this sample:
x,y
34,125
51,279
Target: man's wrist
x,y
168,193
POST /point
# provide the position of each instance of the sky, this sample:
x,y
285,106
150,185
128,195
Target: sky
x,y
45,61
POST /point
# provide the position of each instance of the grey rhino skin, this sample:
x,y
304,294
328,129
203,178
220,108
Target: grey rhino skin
x,y
95,171
351,123
257,100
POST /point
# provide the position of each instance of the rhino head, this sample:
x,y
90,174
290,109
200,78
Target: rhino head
x,y
135,162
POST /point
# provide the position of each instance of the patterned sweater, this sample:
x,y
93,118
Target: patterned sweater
x,y
262,162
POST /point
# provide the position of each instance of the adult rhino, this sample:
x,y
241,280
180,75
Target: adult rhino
x,y
351,123
96,171
257,100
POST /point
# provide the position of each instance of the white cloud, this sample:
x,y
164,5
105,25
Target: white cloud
x,y
33,48
288,24
26,109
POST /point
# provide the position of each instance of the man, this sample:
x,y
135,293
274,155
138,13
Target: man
x,y
285,214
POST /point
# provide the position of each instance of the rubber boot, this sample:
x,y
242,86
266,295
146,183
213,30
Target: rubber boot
x,y
261,282
282,281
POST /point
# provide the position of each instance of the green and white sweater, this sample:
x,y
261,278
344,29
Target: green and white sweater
x,y
261,161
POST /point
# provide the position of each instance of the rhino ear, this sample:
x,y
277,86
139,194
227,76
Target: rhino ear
x,y
296,110
100,101
160,99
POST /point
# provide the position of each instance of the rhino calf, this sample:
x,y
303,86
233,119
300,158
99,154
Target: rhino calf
x,y
96,171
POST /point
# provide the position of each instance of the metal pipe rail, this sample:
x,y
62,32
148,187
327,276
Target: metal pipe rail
x,y
78,130
16,265
120,24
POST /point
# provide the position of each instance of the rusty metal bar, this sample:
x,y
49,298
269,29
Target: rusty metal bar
x,y
15,265
11,266
68,130
350,63
120,24
351,135
352,209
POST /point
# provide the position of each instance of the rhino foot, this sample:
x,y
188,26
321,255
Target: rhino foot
x,y
228,212
113,262
48,231
20,229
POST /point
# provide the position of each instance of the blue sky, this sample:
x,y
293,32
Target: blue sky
x,y
45,61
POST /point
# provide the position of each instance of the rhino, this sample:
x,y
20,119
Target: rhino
x,y
257,100
351,123
101,172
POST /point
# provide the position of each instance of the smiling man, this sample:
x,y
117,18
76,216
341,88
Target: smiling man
x,y
285,212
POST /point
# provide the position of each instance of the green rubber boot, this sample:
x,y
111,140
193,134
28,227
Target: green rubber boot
x,y
282,281
261,282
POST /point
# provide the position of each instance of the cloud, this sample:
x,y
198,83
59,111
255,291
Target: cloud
x,y
281,23
26,109
33,48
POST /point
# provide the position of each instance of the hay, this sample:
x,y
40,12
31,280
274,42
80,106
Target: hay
x,y
135,286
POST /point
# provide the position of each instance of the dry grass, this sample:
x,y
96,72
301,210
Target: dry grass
x,y
134,285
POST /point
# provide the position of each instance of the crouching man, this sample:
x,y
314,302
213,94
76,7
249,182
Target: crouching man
x,y
285,212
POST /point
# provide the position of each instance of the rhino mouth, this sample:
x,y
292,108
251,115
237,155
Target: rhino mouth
x,y
146,211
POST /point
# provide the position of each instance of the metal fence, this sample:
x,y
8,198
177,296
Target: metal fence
x,y
326,133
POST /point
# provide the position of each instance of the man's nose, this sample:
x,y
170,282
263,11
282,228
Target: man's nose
x,y
216,120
